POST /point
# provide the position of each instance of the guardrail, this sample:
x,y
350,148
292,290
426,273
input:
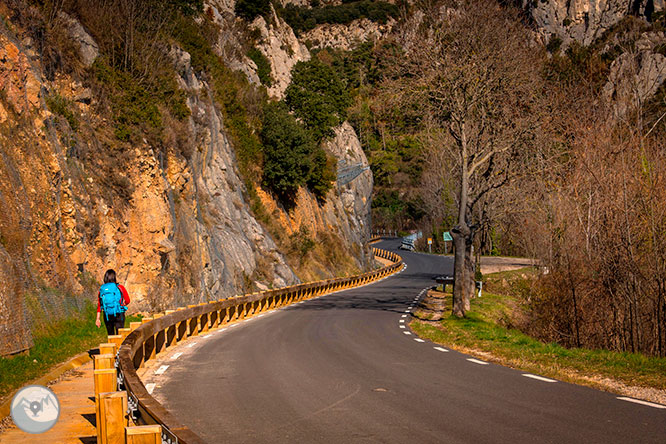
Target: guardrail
x,y
145,340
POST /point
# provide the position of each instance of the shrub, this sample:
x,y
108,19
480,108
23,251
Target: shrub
x,y
318,97
59,105
250,9
263,66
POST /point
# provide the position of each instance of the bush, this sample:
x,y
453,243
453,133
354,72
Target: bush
x,y
287,153
318,97
250,9
263,66
59,105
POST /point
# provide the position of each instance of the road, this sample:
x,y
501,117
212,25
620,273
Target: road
x,y
340,369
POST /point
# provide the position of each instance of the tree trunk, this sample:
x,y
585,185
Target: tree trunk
x,y
459,270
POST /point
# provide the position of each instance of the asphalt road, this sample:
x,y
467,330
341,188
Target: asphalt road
x,y
339,369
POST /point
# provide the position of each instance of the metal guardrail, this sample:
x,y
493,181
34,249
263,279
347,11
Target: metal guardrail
x,y
163,332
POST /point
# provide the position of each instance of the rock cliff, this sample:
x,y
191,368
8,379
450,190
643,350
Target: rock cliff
x,y
174,221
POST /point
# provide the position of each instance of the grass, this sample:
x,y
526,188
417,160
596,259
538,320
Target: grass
x,y
483,332
53,345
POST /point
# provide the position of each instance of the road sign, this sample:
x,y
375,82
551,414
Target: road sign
x,y
447,237
429,241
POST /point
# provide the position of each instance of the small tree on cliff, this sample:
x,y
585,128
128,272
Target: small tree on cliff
x,y
471,70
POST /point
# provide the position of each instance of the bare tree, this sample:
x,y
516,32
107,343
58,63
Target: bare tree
x,y
475,76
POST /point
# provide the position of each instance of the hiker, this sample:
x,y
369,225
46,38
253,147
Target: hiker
x,y
112,299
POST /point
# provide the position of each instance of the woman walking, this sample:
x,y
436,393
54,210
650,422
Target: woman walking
x,y
112,299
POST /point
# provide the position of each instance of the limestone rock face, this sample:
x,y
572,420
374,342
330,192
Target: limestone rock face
x,y
584,20
347,37
636,76
88,49
281,47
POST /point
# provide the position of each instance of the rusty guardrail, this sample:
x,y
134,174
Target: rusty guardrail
x,y
143,341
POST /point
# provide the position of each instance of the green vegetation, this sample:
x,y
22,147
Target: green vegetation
x,y
263,66
250,9
318,97
54,343
488,329
304,19
59,105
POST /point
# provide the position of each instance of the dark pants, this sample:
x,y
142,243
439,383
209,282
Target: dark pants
x,y
114,323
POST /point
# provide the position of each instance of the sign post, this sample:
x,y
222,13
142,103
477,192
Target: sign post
x,y
430,245
447,238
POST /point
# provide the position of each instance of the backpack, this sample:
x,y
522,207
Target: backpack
x,y
110,298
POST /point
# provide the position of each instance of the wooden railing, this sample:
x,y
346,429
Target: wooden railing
x,y
122,390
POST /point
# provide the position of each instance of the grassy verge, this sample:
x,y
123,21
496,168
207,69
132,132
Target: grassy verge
x,y
483,333
53,345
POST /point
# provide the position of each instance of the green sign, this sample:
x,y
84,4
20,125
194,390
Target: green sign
x,y
447,237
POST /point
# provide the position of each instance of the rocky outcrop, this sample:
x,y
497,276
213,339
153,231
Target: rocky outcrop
x,y
347,37
636,76
584,20
283,50
88,49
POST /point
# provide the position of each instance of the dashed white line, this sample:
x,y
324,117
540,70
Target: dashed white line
x,y
419,340
638,401
402,326
540,378
440,349
176,356
406,332
410,307
406,311
476,361
161,370
403,316
402,320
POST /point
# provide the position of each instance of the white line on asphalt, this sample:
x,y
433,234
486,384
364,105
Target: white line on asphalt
x,y
176,356
638,401
402,326
222,329
419,340
403,316
191,345
406,332
161,370
406,311
207,336
402,320
440,349
476,361
540,378
233,325
411,307
259,316
150,387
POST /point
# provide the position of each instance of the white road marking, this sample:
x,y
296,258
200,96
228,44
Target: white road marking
x,y
402,326
406,311
403,316
411,307
419,340
476,361
540,378
191,345
161,370
638,401
260,315
150,387
402,320
176,356
207,336
222,329
440,349
406,332
233,325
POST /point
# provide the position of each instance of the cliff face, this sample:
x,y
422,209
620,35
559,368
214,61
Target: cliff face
x,y
183,231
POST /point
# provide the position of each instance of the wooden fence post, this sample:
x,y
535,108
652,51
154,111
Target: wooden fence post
x,y
150,434
104,361
112,418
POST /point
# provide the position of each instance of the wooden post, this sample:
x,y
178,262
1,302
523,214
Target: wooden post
x,y
105,380
108,348
150,434
111,417
123,332
116,339
134,325
104,361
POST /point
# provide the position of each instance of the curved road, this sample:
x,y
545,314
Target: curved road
x,y
340,369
